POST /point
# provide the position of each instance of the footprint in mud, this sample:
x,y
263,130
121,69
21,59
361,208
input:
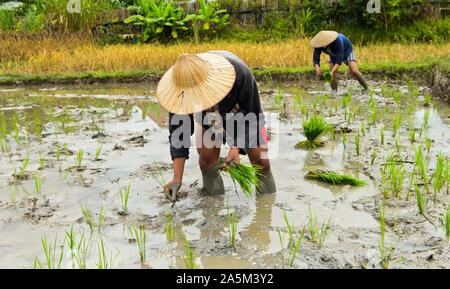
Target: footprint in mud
x,y
149,170
137,140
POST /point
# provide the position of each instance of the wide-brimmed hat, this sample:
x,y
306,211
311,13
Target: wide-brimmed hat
x,y
196,82
323,38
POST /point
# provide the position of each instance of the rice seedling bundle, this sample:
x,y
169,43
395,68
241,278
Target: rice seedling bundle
x,y
313,130
245,175
328,77
334,178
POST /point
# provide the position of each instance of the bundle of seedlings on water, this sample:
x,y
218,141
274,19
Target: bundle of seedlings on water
x,y
141,238
292,247
245,175
189,260
328,77
387,253
315,234
232,225
335,179
313,130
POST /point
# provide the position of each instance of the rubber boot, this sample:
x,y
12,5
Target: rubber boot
x,y
268,184
212,181
362,81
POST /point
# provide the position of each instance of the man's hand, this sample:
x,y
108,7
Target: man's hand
x,y
173,184
233,155
318,71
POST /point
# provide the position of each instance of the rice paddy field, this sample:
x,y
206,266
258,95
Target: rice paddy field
x,y
82,169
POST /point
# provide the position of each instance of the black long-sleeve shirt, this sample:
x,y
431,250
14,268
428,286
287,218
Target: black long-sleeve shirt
x,y
338,50
242,99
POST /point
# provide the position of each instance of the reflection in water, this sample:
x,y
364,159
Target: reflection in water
x,y
259,229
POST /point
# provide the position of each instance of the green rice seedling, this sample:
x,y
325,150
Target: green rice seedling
x,y
12,193
397,145
37,125
66,151
447,174
397,96
169,227
335,106
124,197
382,135
41,162
412,133
373,115
101,218
438,176
317,235
25,163
232,225
79,158
428,144
313,130
58,152
80,253
38,184
141,239
51,258
392,176
373,156
344,141
396,124
427,100
189,260
314,105
335,179
357,143
387,253
426,118
446,222
363,131
345,114
328,77
421,131
411,181
87,213
162,183
245,175
102,259
349,117
279,96
297,99
333,136
292,247
97,152
421,200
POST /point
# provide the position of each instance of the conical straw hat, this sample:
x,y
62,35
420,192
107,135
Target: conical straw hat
x,y
196,82
323,38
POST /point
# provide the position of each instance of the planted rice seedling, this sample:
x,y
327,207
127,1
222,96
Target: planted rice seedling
x,y
79,158
41,162
101,218
421,200
426,118
317,235
232,226
293,246
124,197
382,135
38,184
313,130
97,152
427,100
446,222
396,124
428,144
51,258
373,156
245,175
25,163
357,143
438,176
387,253
412,133
141,239
169,227
411,181
422,165
334,178
344,141
189,260
87,213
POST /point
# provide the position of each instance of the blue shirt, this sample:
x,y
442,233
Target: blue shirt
x,y
338,50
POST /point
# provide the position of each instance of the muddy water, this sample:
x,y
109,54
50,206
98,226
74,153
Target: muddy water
x,y
131,129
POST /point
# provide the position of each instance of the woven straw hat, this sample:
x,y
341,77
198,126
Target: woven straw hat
x,y
323,38
196,82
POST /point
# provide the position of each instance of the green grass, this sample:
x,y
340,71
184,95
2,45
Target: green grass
x,y
335,179
245,175
313,130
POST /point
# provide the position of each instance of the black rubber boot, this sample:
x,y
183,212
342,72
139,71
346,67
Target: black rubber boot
x,y
212,181
268,184
362,81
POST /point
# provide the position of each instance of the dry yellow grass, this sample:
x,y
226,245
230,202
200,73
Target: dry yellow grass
x,y
48,55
